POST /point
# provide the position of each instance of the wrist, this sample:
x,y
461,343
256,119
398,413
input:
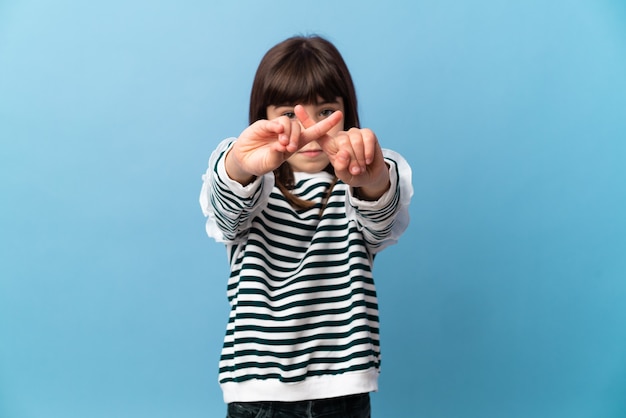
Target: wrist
x,y
234,170
375,190
371,194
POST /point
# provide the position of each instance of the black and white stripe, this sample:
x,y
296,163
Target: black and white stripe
x,y
302,295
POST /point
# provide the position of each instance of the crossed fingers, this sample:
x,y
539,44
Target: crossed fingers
x,y
315,130
352,150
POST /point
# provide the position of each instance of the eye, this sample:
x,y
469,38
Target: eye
x,y
326,113
290,115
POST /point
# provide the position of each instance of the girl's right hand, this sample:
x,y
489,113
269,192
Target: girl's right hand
x,y
266,144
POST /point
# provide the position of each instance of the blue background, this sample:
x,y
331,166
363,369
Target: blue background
x,y
505,298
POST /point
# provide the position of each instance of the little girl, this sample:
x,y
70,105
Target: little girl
x,y
303,200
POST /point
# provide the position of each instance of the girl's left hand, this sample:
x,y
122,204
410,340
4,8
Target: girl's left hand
x,y
356,157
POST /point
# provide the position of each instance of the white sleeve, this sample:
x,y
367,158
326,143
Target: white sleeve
x,y
228,205
378,228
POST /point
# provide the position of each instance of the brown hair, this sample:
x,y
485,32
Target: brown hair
x,y
299,70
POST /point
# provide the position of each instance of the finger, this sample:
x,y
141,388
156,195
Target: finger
x,y
294,136
282,127
358,150
267,126
319,129
341,164
370,143
303,116
347,144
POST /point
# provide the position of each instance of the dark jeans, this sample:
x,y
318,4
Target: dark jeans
x,y
352,406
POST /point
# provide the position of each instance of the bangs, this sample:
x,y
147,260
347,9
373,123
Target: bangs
x,y
302,79
303,70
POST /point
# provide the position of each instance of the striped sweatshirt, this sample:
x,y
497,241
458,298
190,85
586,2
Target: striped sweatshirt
x,y
304,319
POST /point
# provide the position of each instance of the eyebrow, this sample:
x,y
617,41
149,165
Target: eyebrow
x,y
320,103
326,102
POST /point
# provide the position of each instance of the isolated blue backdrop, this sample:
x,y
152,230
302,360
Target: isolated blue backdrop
x,y
505,298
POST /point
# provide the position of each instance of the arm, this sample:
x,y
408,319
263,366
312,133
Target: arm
x,y
383,221
228,205
239,177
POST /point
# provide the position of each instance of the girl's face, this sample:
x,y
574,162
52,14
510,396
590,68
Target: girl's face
x,y
310,158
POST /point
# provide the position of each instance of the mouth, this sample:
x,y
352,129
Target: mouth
x,y
311,153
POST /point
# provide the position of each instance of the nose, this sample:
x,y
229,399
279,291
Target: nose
x,y
314,116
